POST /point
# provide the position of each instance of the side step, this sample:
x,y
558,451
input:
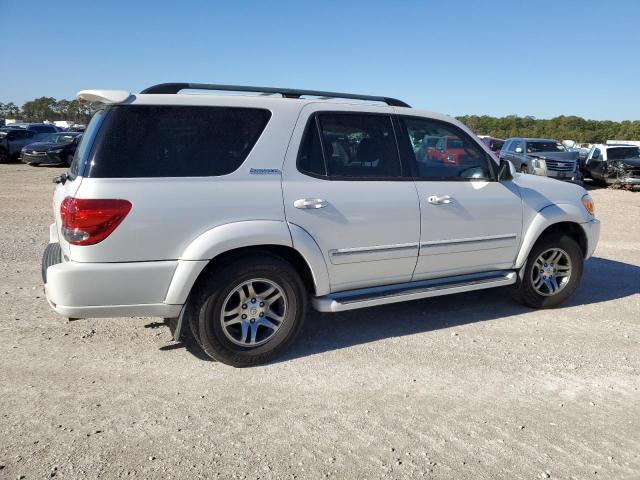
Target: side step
x,y
371,297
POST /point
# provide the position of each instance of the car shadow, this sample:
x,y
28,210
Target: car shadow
x,y
603,280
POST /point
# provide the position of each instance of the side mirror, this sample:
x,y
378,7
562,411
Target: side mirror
x,y
518,149
506,171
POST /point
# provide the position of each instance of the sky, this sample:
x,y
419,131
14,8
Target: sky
x,y
540,57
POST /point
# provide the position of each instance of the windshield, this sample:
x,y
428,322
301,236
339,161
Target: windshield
x,y
62,138
534,147
623,152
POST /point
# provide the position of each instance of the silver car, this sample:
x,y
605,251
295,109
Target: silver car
x,y
542,156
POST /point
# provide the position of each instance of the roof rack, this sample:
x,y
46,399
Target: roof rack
x,y
172,88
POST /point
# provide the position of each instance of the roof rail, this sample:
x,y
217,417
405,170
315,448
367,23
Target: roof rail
x,y
172,88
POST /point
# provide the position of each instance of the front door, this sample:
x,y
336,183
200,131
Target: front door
x,y
469,221
344,183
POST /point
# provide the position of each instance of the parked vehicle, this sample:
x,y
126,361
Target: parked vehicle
x,y
16,136
53,149
448,149
11,142
614,164
494,144
38,128
229,214
542,156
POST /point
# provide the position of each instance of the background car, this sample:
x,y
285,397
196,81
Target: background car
x,y
613,164
494,144
12,140
55,149
542,156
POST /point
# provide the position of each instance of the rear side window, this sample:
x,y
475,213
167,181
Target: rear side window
x,y
174,141
346,146
310,159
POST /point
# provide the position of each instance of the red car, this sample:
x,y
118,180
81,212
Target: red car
x,y
447,150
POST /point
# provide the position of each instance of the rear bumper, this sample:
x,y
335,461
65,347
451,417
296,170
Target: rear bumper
x,y
81,290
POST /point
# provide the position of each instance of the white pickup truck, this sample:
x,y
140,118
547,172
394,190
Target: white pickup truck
x,y
230,214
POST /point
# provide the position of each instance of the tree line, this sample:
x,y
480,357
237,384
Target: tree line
x,y
48,108
561,128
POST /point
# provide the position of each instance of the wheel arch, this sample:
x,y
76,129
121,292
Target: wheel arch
x,y
223,243
565,219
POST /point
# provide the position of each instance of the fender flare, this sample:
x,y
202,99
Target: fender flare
x,y
250,233
550,215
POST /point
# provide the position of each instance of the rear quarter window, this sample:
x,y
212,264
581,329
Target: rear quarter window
x,y
174,141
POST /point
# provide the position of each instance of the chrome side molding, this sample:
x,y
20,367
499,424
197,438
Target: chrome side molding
x,y
458,241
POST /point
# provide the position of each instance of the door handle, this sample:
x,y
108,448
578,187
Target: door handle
x,y
436,200
310,203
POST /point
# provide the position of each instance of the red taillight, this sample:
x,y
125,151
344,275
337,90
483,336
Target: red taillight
x,y
89,221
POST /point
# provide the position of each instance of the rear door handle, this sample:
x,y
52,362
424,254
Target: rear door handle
x,y
437,200
310,203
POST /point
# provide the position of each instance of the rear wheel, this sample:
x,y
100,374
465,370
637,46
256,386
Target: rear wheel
x,y
248,311
552,274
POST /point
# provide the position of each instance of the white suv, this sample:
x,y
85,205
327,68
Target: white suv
x,y
229,214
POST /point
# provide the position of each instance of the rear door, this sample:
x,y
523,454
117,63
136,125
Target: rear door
x,y
469,221
344,183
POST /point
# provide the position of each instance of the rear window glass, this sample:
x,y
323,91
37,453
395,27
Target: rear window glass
x,y
174,141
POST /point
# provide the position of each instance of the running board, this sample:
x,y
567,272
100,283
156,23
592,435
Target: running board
x,y
371,297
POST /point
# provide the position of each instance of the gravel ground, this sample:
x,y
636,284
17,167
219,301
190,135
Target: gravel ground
x,y
467,386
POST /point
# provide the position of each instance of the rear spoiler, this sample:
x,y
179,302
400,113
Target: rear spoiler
x,y
102,96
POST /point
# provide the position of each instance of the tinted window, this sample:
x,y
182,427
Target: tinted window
x,y
496,145
359,146
622,152
310,158
174,141
596,153
454,156
24,134
533,147
42,128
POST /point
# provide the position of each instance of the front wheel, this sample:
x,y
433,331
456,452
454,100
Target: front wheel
x,y
249,310
552,273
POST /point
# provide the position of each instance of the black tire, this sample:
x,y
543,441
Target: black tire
x,y
524,291
212,291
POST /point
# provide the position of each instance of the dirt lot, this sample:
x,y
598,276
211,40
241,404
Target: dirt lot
x,y
469,386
